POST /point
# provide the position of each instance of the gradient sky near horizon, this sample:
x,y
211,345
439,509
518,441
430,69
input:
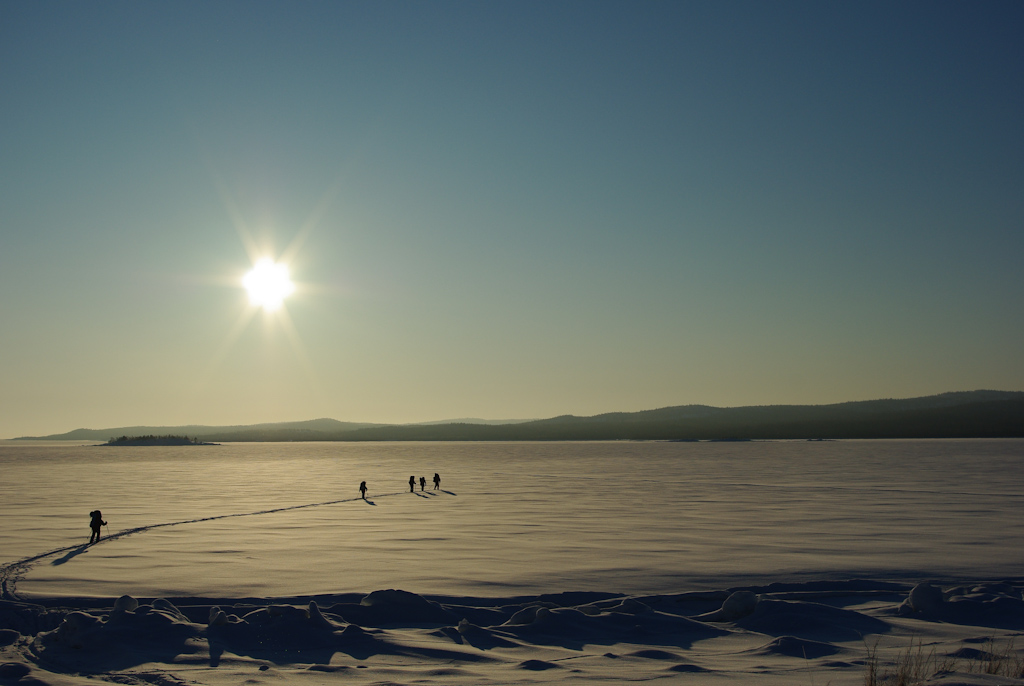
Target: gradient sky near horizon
x,y
504,209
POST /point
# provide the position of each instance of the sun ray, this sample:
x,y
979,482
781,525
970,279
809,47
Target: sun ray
x,y
295,342
326,200
248,242
222,351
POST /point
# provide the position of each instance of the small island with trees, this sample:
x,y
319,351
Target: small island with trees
x,y
156,440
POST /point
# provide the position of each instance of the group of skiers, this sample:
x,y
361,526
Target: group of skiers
x,y
412,484
423,483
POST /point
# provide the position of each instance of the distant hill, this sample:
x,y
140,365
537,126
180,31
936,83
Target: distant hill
x,y
315,429
970,414
979,414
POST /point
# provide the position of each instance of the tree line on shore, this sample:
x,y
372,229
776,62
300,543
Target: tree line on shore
x,y
152,439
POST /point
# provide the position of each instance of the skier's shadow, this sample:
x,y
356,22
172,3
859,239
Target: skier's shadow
x,y
71,554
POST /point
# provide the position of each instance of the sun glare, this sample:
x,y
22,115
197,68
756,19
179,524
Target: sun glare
x,y
268,284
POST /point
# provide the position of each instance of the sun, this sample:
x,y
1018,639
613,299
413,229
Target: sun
x,y
268,284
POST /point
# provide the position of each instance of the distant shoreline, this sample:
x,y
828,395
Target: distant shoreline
x,y
969,414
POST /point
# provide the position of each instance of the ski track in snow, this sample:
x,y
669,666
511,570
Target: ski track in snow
x,y
11,572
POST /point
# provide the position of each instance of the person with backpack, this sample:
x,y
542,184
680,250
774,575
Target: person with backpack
x,y
362,489
437,481
423,482
96,523
412,484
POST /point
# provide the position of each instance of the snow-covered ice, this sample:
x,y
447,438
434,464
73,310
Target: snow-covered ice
x,y
775,562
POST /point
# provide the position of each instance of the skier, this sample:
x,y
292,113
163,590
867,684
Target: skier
x,y
95,524
412,484
437,481
423,482
362,489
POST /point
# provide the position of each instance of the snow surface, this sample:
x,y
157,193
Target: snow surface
x,y
774,562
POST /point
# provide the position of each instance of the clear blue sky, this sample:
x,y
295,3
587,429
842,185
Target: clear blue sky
x,y
504,209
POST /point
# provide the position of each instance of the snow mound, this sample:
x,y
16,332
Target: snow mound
x,y
570,627
993,605
121,639
537,665
798,647
738,604
811,621
12,671
925,598
125,604
478,637
393,607
686,668
528,615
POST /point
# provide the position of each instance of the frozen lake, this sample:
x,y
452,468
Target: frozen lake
x,y
511,518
